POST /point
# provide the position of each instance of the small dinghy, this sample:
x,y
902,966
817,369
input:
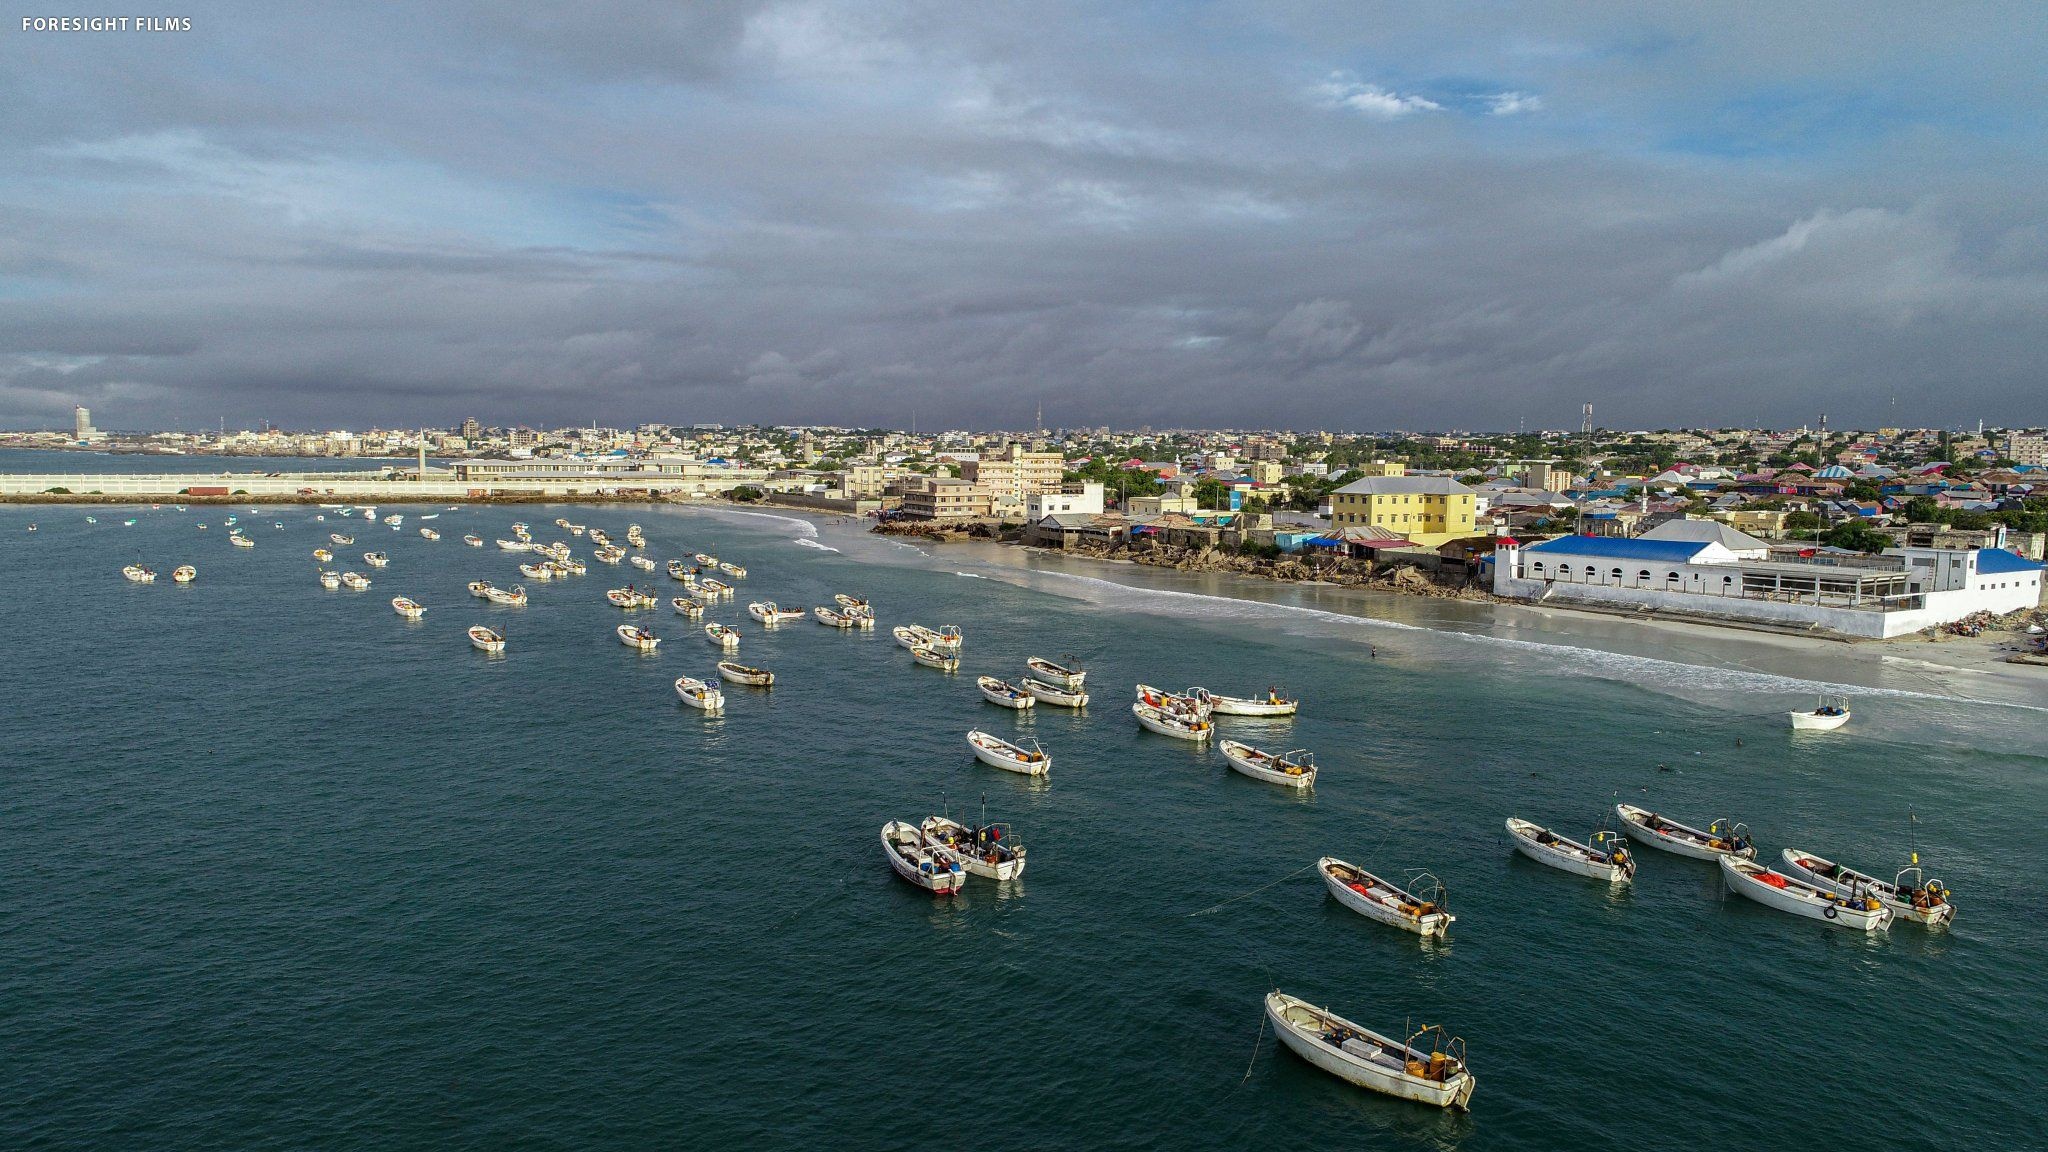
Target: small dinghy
x,y
1910,895
1271,704
184,574
933,658
636,637
705,558
628,597
376,559
429,534
641,562
766,612
1004,693
241,541
330,580
1296,769
863,618
997,752
1051,694
845,601
738,673
722,636
1831,713
355,581
698,694
572,567
1604,859
515,545
407,607
732,570
322,555
536,572
1166,723
945,639
1179,703
608,555
718,588
913,857
473,541
486,639
687,608
1646,827
1435,1075
516,598
1387,902
338,538
1864,913
138,574
830,618
1069,677
988,851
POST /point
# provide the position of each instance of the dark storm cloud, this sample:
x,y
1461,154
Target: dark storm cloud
x,y
1304,214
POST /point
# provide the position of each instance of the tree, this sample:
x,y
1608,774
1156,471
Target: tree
x,y
1857,536
746,494
1211,493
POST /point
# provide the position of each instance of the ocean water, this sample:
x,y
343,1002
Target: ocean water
x,y
279,869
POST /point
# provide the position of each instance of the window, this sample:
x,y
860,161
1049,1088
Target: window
x,y
1617,575
1591,572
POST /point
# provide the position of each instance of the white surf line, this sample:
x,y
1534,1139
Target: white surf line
x,y
1671,673
809,529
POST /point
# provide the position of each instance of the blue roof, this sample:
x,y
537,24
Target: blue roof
x,y
1617,548
1999,561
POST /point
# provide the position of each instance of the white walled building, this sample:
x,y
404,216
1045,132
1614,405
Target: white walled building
x,y
1084,498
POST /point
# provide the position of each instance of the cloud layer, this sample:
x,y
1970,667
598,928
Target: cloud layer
x,y
1341,215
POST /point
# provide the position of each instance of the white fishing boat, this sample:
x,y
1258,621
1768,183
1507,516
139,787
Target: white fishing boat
x,y
722,636
1051,694
1271,704
1721,838
338,538
765,611
429,534
473,541
395,519
241,541
699,694
376,559
355,581
641,562
139,574
1387,902
184,574
1909,895
1863,913
1831,713
608,555
640,638
919,636
561,521
732,570
913,857
933,658
1003,693
1178,703
407,607
687,608
997,752
987,850
845,601
515,598
863,618
741,674
830,618
370,514
1296,769
1436,1075
677,570
572,567
537,571
628,597
486,639
322,555
705,558
1606,858
515,545
718,588
330,580
599,536
1069,677
575,529
1179,727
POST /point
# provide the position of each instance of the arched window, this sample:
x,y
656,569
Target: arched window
x,y
1537,567
1643,575
1671,577
1617,575
1591,572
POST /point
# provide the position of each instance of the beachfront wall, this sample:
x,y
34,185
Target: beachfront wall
x,y
1993,581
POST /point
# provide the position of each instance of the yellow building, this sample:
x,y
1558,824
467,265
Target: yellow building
x,y
1383,468
1429,510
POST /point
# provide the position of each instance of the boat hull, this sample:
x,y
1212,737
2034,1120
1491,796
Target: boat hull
x,y
1154,721
1526,844
1792,900
1054,695
996,756
1634,823
1371,1074
1813,722
1247,766
1902,908
1426,924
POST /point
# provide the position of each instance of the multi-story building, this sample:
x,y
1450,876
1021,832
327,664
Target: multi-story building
x,y
1076,499
2019,448
1429,510
81,422
944,498
866,481
1013,474
1383,468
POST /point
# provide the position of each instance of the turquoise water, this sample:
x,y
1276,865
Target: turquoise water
x,y
284,870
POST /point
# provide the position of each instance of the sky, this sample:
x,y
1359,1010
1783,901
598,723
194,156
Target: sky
x,y
1351,215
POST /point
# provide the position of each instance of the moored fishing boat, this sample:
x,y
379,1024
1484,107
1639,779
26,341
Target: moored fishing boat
x,y
765,611
1829,714
830,618
732,570
628,597
515,545
330,580
139,574
986,850
699,694
687,608
240,541
641,562
1436,1076
1180,727
537,571
705,558
997,752
486,639
473,541
514,598
570,566
933,658
1067,676
1863,912
1003,693
845,601
914,636
741,674
407,607
1052,694
376,559
322,555
608,555
1910,895
718,588
1271,704
429,534
722,636
914,858
1178,703
1721,838
184,574
1296,769
677,570
338,538
355,581
1387,902
636,637
1604,859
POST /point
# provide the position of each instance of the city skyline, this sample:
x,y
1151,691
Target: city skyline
x,y
1241,216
